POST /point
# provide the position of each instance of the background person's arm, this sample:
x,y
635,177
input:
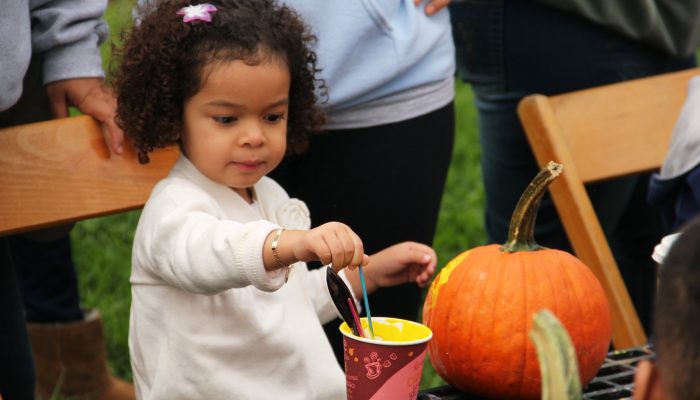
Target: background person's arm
x,y
68,34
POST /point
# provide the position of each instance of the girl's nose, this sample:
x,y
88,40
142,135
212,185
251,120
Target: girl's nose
x,y
253,135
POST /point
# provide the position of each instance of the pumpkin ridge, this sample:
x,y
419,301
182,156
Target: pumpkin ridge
x,y
449,366
471,264
507,265
589,328
436,317
578,330
593,281
560,290
487,264
526,302
575,304
542,295
538,295
446,306
590,303
496,272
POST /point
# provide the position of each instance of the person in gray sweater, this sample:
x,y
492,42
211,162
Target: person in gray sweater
x,y
50,60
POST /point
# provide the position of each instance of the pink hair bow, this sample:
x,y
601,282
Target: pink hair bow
x,y
200,12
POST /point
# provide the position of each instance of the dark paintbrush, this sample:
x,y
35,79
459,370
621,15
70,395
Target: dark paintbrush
x,y
340,295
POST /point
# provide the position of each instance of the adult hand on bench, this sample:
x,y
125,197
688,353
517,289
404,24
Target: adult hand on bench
x,y
432,6
92,97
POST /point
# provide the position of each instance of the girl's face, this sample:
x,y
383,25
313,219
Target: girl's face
x,y
235,127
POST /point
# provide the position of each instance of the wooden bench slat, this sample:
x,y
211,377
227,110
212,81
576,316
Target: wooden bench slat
x,y
61,170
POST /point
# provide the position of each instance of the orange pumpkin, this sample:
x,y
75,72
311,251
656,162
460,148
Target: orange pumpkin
x,y
480,308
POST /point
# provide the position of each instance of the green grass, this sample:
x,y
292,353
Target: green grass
x,y
102,246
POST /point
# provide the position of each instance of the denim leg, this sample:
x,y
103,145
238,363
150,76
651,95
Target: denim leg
x,y
47,278
525,47
508,166
16,364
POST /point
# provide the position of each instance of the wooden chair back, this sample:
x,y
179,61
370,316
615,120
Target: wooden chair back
x,y
601,133
61,171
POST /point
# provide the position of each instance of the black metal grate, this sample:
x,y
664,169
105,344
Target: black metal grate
x,y
615,379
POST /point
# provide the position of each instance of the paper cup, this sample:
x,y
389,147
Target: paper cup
x,y
389,366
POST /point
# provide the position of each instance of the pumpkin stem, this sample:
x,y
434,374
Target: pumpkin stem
x,y
521,233
557,358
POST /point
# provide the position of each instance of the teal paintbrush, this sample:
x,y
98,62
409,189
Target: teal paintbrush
x,y
364,295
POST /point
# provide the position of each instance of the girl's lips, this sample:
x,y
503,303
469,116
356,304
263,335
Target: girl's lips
x,y
248,165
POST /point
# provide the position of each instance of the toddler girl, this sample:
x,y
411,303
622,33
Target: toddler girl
x,y
223,305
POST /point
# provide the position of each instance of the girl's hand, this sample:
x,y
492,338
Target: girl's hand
x,y
403,263
331,243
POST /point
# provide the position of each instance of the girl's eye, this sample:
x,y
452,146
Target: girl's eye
x,y
274,117
225,120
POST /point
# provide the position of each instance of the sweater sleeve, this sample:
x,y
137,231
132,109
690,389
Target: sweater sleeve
x,y
183,243
15,50
671,25
69,33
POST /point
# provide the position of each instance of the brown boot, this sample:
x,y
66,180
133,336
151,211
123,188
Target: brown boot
x,y
72,358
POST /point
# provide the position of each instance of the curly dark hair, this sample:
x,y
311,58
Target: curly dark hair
x,y
676,329
162,59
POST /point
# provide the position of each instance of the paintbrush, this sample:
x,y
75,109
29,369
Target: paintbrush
x,y
340,294
364,295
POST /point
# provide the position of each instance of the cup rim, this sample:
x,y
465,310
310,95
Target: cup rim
x,y
349,335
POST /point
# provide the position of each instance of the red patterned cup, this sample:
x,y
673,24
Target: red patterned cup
x,y
388,366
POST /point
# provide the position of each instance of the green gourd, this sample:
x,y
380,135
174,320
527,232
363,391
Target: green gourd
x,y
557,358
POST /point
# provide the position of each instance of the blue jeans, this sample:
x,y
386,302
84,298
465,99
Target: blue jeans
x,y
16,366
507,49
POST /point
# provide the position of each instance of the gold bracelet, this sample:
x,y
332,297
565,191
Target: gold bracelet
x,y
275,242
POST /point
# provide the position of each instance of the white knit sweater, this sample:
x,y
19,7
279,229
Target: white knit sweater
x,y
207,320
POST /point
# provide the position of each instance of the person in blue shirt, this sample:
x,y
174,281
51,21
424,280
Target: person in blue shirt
x,y
389,69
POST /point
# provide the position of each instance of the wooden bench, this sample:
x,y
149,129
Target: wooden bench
x,y
61,171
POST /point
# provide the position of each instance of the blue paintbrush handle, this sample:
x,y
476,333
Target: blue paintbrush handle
x,y
364,295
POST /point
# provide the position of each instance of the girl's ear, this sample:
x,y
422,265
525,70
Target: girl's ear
x,y
647,385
